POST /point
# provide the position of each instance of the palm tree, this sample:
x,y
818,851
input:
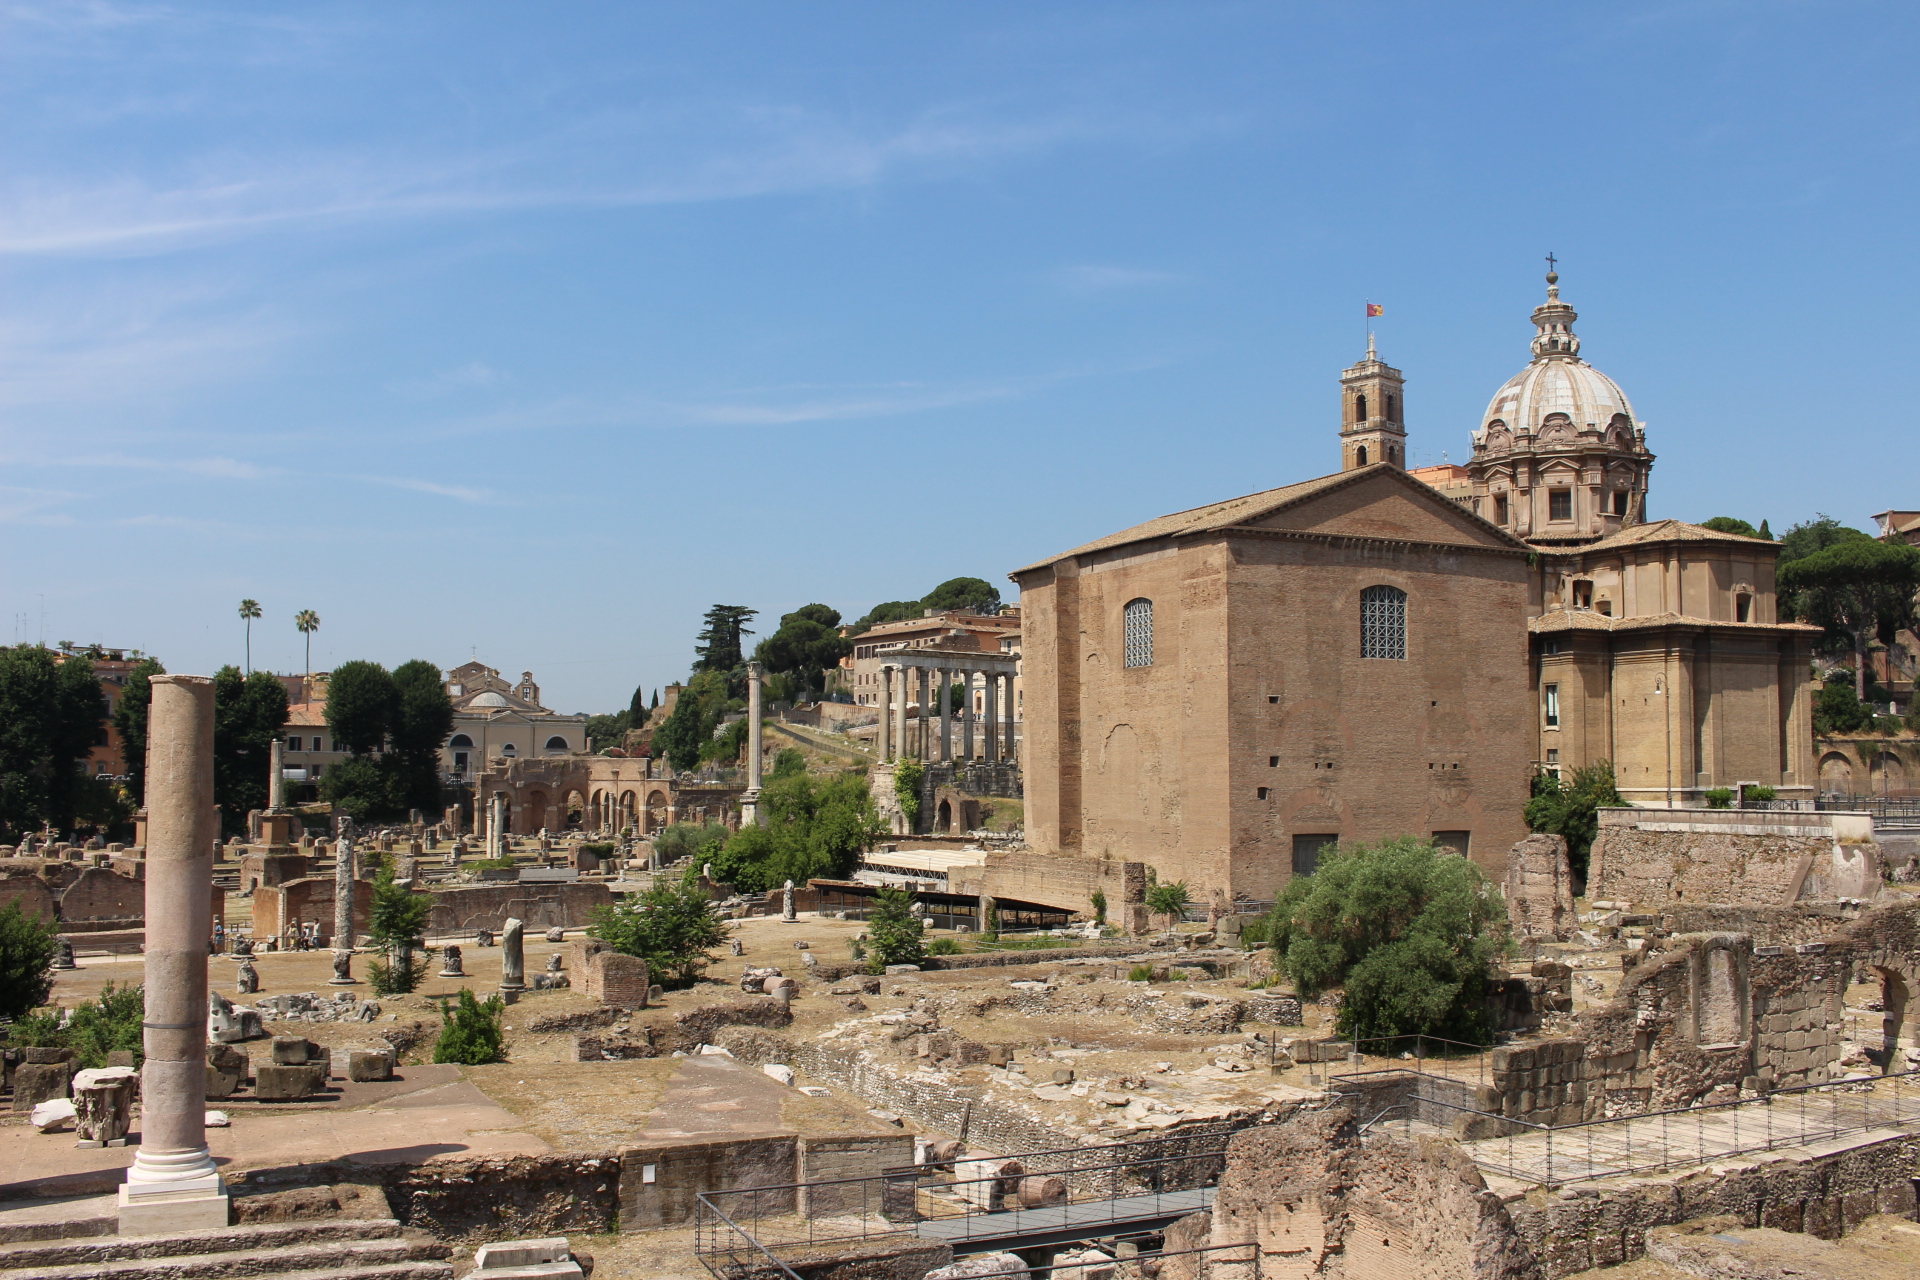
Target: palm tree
x,y
249,610
309,622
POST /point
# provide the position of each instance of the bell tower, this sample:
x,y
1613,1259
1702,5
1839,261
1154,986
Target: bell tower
x,y
1372,408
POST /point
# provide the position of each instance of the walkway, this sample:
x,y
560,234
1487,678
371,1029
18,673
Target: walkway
x,y
1064,1224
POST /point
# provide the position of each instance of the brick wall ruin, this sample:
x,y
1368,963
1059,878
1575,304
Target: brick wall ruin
x,y
541,906
1731,856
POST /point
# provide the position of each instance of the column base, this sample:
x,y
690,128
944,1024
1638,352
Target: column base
x,y
194,1204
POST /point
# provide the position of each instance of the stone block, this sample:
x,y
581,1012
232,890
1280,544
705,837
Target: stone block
x,y
521,1253
285,1082
37,1082
366,1065
227,1070
289,1051
46,1055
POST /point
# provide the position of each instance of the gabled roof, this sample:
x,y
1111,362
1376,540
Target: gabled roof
x,y
1218,516
1668,531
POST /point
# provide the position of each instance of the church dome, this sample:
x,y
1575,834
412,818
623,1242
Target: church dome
x,y
1556,384
490,699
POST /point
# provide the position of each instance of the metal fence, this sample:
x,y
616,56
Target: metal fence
x,y
1640,1142
1071,1193
1903,810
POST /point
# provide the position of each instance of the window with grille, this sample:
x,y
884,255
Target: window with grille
x,y
1383,623
1139,617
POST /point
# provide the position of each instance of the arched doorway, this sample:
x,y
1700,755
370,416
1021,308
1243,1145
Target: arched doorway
x,y
1889,777
945,819
1836,773
656,811
629,809
576,810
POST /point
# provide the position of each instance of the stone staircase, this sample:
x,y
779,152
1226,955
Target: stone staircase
x,y
362,1249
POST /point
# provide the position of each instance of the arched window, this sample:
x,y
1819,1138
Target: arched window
x,y
1383,623
509,751
1392,408
1360,455
557,743
1139,618
460,740
1359,408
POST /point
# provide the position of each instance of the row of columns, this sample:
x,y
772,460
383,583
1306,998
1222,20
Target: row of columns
x,y
929,687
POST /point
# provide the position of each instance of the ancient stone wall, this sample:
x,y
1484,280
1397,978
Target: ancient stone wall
x,y
1065,882
659,1184
1736,857
32,892
98,893
305,901
1606,1223
1539,888
1787,925
835,1159
541,906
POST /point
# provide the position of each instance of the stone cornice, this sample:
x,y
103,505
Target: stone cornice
x,y
1351,539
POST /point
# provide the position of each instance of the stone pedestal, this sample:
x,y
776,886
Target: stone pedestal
x,y
173,1185
103,1105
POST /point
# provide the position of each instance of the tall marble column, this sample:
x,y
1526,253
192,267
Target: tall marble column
x,y
276,776
750,802
946,714
966,721
899,714
885,727
172,1185
992,713
342,912
920,685
497,824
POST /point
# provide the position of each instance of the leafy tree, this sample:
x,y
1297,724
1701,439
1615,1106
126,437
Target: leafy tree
x,y
689,840
887,611
397,926
360,788
472,1034
1859,590
130,718
1570,808
976,595
1766,534
1838,708
788,762
1099,906
422,719
609,731
1409,932
806,645
361,703
1817,534
51,715
815,828
671,927
1169,900
1731,524
894,932
726,746
27,944
719,647
907,777
637,707
248,714
682,735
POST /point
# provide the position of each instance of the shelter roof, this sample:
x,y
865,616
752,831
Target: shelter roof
x,y
1663,531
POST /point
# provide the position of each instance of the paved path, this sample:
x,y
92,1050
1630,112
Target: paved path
x,y
1644,1145
1061,1223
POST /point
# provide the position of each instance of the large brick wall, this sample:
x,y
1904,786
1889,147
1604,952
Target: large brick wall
x,y
304,901
660,1183
1258,720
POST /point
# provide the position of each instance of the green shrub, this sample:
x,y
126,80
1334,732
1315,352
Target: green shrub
x,y
1410,933
1571,808
689,840
944,947
1762,794
505,862
893,931
27,944
671,927
472,1034
1140,973
97,1027
787,762
1099,906
599,848
1169,900
396,927
907,775
1720,798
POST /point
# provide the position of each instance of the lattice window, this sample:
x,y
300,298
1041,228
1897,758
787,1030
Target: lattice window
x,y
1139,616
1383,623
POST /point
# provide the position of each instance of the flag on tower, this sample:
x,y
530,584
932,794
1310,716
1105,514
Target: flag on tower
x,y
1375,309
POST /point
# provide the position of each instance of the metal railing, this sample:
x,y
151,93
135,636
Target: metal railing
x,y
1057,1191
1649,1141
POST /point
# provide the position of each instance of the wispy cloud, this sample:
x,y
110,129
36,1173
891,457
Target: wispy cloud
x,y
20,505
1090,278
460,493
845,405
472,376
714,152
215,468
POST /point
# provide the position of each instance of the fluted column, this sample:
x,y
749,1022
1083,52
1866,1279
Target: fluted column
x,y
172,1185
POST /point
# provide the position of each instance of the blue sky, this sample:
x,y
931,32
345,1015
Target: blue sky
x,y
532,330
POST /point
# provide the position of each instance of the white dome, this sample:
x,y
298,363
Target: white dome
x,y
1558,384
490,699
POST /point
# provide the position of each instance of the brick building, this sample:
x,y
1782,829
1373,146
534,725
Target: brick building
x,y
1222,692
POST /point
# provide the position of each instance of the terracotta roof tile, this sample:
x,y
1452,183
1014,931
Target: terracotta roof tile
x,y
1666,531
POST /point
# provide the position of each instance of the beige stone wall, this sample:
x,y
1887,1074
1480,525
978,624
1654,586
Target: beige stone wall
x,y
1258,719
1065,882
1730,857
